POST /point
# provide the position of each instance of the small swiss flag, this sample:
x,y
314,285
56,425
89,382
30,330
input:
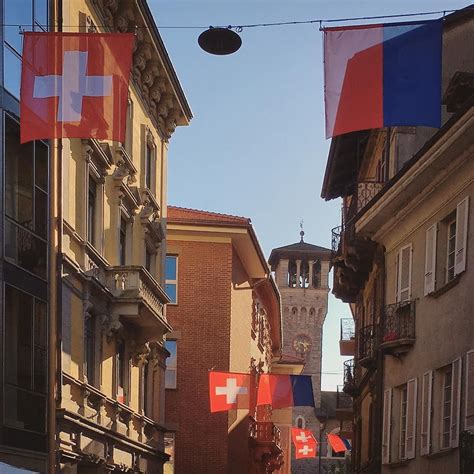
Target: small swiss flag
x,y
300,436
228,390
75,85
307,450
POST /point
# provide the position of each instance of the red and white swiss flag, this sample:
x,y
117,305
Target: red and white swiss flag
x,y
228,390
75,85
299,436
305,450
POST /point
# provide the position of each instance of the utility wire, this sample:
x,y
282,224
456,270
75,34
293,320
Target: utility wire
x,y
280,23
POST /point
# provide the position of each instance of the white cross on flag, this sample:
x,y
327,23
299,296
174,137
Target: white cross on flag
x,y
75,85
228,390
305,451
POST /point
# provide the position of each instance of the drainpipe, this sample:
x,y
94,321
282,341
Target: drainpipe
x,y
55,285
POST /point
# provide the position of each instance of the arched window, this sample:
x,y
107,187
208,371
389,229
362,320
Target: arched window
x,y
292,274
294,311
304,274
317,274
301,422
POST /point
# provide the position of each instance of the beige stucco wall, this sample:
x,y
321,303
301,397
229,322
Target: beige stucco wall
x,y
444,323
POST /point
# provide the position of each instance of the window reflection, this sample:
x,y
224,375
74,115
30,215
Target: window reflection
x,y
12,72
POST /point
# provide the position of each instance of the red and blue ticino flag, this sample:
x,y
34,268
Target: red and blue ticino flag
x,y
282,391
382,75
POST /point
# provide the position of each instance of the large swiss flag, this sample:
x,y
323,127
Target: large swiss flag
x,y
229,390
75,85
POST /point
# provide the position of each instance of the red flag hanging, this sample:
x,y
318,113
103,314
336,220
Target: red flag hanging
x,y
228,390
300,436
75,85
337,445
305,450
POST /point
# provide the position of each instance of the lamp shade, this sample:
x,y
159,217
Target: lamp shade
x,y
220,41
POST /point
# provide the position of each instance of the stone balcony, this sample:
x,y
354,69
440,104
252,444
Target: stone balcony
x,y
344,408
398,328
265,443
137,298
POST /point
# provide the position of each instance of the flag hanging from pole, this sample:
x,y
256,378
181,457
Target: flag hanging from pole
x,y
300,436
75,85
229,390
282,391
337,443
382,75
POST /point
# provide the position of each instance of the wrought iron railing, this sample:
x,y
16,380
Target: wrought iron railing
x,y
366,191
349,375
347,329
399,322
367,342
336,239
265,432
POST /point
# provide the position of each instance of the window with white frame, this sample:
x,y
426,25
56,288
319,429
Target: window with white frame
x,y
446,408
171,278
450,250
403,274
403,421
449,412
446,247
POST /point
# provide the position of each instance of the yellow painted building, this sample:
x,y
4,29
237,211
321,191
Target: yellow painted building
x,y
108,305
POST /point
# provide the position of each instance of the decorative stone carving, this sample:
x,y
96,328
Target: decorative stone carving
x,y
140,353
124,20
140,58
111,326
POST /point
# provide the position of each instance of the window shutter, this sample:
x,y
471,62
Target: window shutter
x,y
411,419
455,403
462,213
404,274
387,425
426,413
430,259
469,414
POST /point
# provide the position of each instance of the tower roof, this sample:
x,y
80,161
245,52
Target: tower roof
x,y
300,250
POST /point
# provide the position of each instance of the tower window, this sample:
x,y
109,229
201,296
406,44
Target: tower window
x,y
317,274
292,274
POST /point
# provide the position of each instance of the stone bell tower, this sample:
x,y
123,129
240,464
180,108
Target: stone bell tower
x,y
301,273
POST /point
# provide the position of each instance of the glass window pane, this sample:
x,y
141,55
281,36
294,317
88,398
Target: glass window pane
x,y
40,341
41,165
26,410
17,12
11,72
41,213
18,337
19,175
170,290
170,268
171,347
25,250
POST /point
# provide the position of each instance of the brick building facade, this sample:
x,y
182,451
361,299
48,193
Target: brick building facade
x,y
226,316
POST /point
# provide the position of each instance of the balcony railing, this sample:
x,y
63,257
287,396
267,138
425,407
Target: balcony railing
x,y
367,344
134,282
398,329
336,240
265,432
350,385
365,192
347,337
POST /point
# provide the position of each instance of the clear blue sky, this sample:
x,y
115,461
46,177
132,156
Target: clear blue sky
x,y
256,145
